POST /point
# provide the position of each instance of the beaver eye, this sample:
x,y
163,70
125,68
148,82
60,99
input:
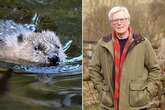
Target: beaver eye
x,y
35,48
57,46
40,47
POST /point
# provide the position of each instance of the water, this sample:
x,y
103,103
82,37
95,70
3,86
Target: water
x,y
42,88
59,88
26,92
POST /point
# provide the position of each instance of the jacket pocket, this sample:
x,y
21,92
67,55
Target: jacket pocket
x,y
106,99
138,94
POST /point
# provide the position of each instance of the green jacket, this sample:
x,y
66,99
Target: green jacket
x,y
140,74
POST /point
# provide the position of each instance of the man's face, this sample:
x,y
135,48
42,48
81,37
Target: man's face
x,y
120,23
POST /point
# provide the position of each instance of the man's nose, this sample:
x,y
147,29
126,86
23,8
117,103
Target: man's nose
x,y
118,21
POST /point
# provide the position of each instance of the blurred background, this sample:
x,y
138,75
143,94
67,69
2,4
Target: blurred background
x,y
32,91
147,17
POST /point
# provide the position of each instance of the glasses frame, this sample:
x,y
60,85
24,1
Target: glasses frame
x,y
122,20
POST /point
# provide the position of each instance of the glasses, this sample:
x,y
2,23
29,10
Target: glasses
x,y
122,20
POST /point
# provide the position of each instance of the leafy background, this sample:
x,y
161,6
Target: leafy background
x,y
147,17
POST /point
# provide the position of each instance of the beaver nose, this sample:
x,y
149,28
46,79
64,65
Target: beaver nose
x,y
53,60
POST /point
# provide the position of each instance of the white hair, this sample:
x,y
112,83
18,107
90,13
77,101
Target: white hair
x,y
117,9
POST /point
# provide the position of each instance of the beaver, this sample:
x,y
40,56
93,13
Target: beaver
x,y
19,44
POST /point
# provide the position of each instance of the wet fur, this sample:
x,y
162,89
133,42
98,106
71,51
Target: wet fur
x,y
31,46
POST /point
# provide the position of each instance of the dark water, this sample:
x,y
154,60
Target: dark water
x,y
29,91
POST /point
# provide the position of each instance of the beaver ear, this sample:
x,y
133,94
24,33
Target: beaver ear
x,y
2,42
20,38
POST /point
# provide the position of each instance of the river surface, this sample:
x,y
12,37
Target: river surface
x,y
44,92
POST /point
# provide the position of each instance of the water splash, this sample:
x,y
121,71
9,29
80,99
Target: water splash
x,y
34,23
35,19
67,45
74,59
60,69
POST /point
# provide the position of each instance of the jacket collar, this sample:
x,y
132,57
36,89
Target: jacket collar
x,y
107,42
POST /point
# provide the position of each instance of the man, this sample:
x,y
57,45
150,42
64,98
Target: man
x,y
124,69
